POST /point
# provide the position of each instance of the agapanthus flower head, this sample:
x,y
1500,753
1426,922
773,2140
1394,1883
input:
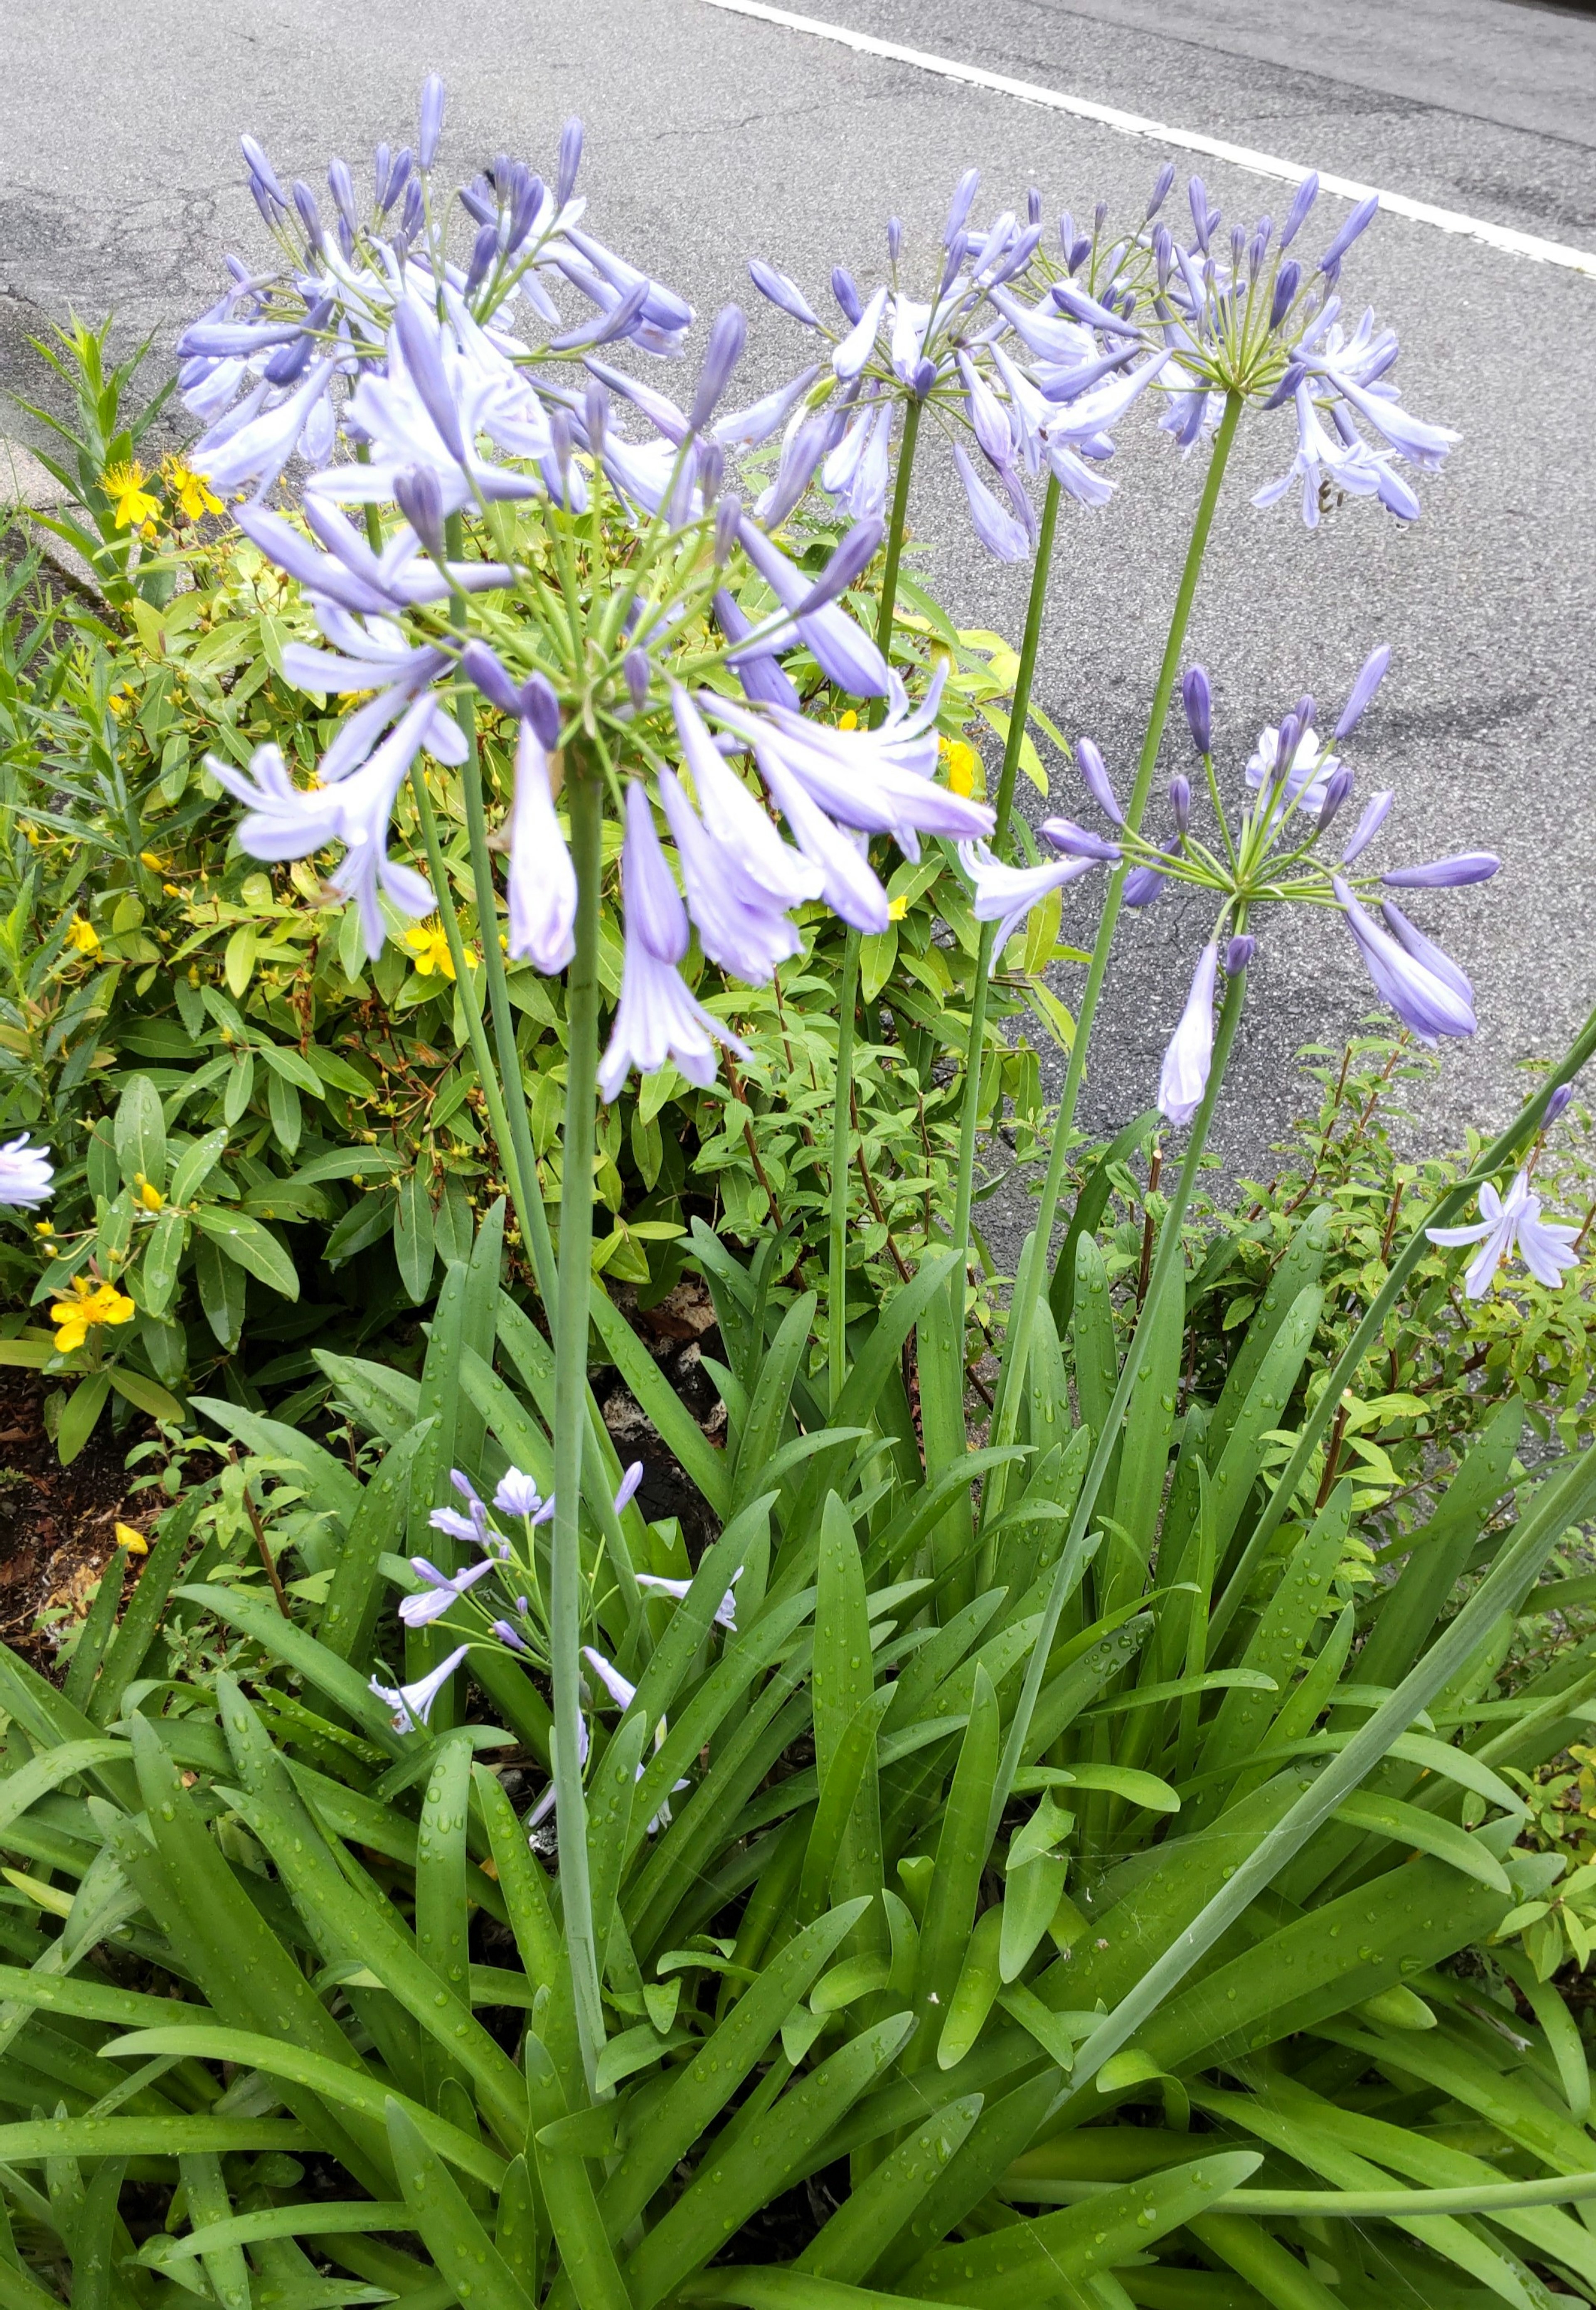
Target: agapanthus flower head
x,y
440,1592
1508,1223
517,1495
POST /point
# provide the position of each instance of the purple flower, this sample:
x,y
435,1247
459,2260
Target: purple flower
x,y
1094,770
282,822
510,1636
443,1589
1003,536
412,1703
1184,1078
432,103
626,1491
25,1174
251,446
1198,700
620,1690
1371,674
1545,1247
1145,883
845,653
1302,784
1377,811
856,347
725,1612
1429,1002
762,870
658,1017
1239,953
518,1496
782,291
1005,895
1557,1105
1444,873
748,427
542,881
1077,841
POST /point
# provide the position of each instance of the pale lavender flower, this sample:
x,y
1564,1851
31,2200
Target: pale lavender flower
x,y
1184,1078
510,1636
1094,770
1004,536
282,822
1557,1105
620,1690
442,1590
658,1017
846,653
783,292
1078,841
25,1173
763,871
518,1496
412,1703
1005,895
235,455
745,427
746,932
725,1612
1508,1223
1427,1002
626,1491
1307,778
542,881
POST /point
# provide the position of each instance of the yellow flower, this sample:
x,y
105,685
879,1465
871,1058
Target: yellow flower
x,y
896,909
429,950
189,489
150,1196
32,834
95,1303
131,502
82,936
132,1539
153,861
961,765
44,1227
850,720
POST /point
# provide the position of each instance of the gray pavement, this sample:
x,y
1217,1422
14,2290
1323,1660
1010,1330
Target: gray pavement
x,y
711,137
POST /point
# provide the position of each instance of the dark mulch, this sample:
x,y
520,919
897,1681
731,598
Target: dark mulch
x,y
57,1525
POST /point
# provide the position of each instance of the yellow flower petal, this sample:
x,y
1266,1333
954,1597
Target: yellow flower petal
x,y
132,1539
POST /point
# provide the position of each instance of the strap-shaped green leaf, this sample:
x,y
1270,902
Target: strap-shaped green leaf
x,y
456,2239
871,2218
677,1427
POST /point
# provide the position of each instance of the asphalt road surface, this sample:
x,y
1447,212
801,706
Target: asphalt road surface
x,y
712,137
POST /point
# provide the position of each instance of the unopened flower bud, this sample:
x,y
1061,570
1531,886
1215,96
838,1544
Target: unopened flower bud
x,y
484,249
1180,799
1288,280
541,708
595,415
635,666
846,293
894,239
1557,1106
1239,953
728,513
1338,786
432,102
568,163
1033,205
341,186
1160,192
1370,676
710,466
420,498
1198,700
1094,771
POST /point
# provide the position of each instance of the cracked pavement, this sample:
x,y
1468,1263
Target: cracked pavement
x,y
712,137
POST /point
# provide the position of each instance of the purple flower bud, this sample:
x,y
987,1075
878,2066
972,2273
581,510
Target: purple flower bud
x,y
478,202
1285,746
1557,1106
568,163
310,215
1180,799
727,336
420,498
400,175
432,101
849,561
1197,700
1361,218
1308,192
1239,953
1033,205
709,467
419,346
341,186
1080,253
1304,710
1100,218
1197,194
728,513
1160,193
783,292
413,213
486,670
894,239
1078,841
1163,255
1286,386
595,414
484,249
261,169
635,666
1288,280
1089,762
506,1635
959,209
1143,884
1337,789
541,708
1444,873
846,293
381,161
1377,811
1368,682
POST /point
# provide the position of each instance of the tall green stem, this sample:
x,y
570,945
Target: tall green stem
x,y
970,1114
1029,1283
523,1154
585,799
842,1112
1165,1277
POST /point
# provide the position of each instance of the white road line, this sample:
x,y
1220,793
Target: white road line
x,y
1131,124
